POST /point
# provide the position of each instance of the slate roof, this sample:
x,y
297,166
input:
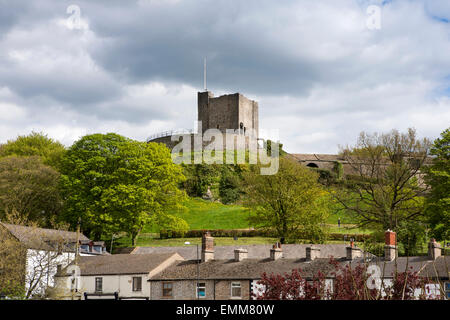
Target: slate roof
x,y
401,264
245,269
121,263
440,268
426,267
257,251
41,238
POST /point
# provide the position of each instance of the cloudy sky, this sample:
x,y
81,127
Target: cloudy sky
x,y
321,70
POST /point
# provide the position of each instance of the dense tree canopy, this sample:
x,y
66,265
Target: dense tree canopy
x,y
30,188
438,177
35,144
292,202
116,184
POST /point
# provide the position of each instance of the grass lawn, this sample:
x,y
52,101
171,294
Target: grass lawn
x,y
346,218
347,228
202,214
146,240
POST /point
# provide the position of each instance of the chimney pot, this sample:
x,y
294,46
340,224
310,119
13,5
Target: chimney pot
x,y
353,252
207,247
312,253
240,254
434,249
276,252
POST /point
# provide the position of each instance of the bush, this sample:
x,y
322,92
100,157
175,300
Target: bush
x,y
262,233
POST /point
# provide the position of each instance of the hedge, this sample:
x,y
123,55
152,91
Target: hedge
x,y
253,233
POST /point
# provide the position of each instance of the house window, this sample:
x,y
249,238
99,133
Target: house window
x,y
98,284
447,289
235,290
137,283
201,290
167,288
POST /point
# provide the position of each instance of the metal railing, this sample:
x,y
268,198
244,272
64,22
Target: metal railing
x,y
169,133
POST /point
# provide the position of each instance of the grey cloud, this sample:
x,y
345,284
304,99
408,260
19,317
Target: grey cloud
x,y
313,66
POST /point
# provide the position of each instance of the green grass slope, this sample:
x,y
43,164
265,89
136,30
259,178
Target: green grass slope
x,y
203,214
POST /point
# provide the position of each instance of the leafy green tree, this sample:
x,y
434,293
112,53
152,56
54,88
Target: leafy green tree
x,y
268,146
230,185
412,236
35,144
199,177
30,188
118,184
438,177
291,202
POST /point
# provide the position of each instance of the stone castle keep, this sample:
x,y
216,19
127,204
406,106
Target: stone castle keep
x,y
230,111
235,111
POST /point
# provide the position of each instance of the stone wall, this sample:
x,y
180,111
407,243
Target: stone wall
x,y
185,289
170,144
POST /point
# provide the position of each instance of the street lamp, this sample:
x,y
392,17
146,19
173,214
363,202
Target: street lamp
x,y
198,269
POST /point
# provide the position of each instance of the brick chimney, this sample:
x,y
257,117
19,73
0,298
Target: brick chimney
x,y
207,247
240,254
353,252
434,249
390,247
276,252
312,253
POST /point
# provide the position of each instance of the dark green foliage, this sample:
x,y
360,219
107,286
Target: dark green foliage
x,y
226,178
338,170
268,146
230,185
199,177
30,189
411,234
326,177
438,177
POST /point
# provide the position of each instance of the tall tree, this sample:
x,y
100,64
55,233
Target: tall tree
x,y
35,144
438,177
291,202
30,188
117,184
387,185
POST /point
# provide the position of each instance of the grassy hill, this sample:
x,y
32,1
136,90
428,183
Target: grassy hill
x,y
203,214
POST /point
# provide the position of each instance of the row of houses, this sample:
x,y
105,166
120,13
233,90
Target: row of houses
x,y
30,256
192,272
222,273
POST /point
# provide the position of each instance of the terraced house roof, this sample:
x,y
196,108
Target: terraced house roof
x,y
256,251
124,263
245,269
43,239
